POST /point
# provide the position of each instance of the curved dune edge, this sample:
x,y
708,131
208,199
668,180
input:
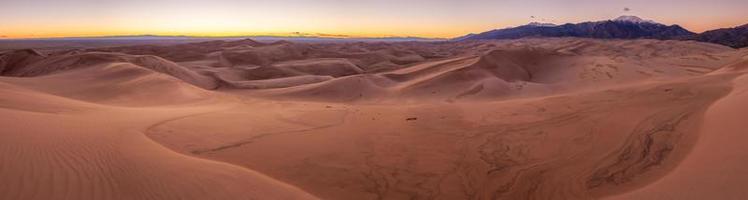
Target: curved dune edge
x,y
715,169
58,148
546,150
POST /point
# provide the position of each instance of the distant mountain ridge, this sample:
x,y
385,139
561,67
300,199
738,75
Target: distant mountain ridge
x,y
736,37
298,37
624,27
124,40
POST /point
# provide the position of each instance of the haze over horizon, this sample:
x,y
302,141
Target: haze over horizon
x,y
365,18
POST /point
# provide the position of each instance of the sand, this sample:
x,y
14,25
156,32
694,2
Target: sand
x,y
716,167
514,119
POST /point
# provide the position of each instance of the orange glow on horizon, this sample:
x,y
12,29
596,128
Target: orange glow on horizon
x,y
219,30
362,18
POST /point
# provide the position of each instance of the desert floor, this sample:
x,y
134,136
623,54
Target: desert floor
x,y
515,119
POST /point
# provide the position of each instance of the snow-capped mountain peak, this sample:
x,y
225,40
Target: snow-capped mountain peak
x,y
633,19
541,24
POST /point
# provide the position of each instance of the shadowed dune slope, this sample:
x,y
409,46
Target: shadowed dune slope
x,y
122,84
65,62
10,59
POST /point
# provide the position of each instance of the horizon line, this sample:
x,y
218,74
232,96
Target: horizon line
x,y
313,36
310,35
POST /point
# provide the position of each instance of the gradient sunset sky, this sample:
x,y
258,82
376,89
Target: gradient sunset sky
x,y
363,18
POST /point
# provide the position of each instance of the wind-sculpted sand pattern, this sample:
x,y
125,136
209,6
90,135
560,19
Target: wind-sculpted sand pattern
x,y
65,156
576,146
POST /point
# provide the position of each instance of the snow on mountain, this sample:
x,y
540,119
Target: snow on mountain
x,y
633,19
541,24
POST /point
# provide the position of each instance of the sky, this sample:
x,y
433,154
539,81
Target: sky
x,y
351,18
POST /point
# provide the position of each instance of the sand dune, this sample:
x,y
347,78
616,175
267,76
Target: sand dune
x,y
57,148
513,119
116,84
508,150
284,82
19,57
325,67
720,142
67,62
715,169
346,89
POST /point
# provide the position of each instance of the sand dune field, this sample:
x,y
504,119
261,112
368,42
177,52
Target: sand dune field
x,y
554,118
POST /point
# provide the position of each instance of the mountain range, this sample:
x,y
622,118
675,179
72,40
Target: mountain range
x,y
624,27
736,37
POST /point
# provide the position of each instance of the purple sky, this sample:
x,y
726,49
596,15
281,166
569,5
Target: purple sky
x,y
427,18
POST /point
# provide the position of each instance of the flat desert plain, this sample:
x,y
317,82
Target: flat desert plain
x,y
508,119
